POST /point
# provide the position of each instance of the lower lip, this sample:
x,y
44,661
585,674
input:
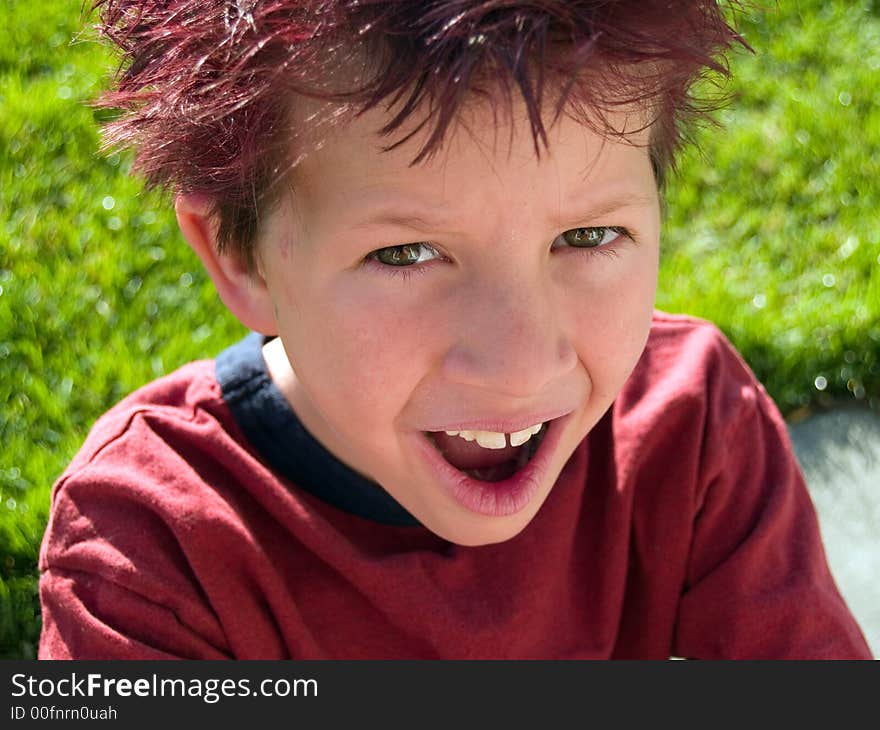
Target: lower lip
x,y
496,499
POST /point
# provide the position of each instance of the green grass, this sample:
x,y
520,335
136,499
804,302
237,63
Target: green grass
x,y
772,233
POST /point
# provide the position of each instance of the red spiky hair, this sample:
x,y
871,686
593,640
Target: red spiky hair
x,y
206,85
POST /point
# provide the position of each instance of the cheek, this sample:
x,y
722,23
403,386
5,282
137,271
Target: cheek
x,y
613,327
350,347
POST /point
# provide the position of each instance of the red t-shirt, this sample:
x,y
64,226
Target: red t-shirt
x,y
681,526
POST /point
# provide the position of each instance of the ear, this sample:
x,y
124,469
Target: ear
x,y
245,294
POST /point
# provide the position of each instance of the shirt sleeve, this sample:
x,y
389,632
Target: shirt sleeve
x,y
758,584
114,582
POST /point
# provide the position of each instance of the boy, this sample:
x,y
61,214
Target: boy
x,y
459,429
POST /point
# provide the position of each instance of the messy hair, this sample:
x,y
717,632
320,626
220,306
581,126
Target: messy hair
x,y
206,87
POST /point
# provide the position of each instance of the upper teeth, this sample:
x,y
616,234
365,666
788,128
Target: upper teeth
x,y
495,440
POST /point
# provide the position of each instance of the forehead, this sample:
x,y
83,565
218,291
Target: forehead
x,y
484,153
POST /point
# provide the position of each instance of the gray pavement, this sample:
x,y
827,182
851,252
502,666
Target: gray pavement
x,y
839,452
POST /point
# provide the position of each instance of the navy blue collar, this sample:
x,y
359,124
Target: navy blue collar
x,y
273,429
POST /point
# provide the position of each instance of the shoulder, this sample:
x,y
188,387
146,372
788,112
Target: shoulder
x,y
158,491
690,354
189,393
689,366
691,410
162,435
145,476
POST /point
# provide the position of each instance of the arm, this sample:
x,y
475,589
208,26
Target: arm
x,y
88,617
758,583
114,582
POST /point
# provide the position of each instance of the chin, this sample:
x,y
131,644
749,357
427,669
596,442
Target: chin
x,y
481,531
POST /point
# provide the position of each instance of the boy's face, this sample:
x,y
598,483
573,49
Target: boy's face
x,y
518,298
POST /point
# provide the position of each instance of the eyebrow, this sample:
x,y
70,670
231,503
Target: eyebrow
x,y
400,216
423,219
603,208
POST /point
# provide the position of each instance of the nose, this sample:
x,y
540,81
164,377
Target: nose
x,y
509,340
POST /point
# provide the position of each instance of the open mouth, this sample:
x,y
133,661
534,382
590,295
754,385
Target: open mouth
x,y
500,476
486,464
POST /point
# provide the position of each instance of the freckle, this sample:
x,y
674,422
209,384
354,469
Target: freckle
x,y
290,296
284,244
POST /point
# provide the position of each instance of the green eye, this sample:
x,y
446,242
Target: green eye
x,y
406,254
588,237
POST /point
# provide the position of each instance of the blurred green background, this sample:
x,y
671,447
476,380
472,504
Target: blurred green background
x,y
773,232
